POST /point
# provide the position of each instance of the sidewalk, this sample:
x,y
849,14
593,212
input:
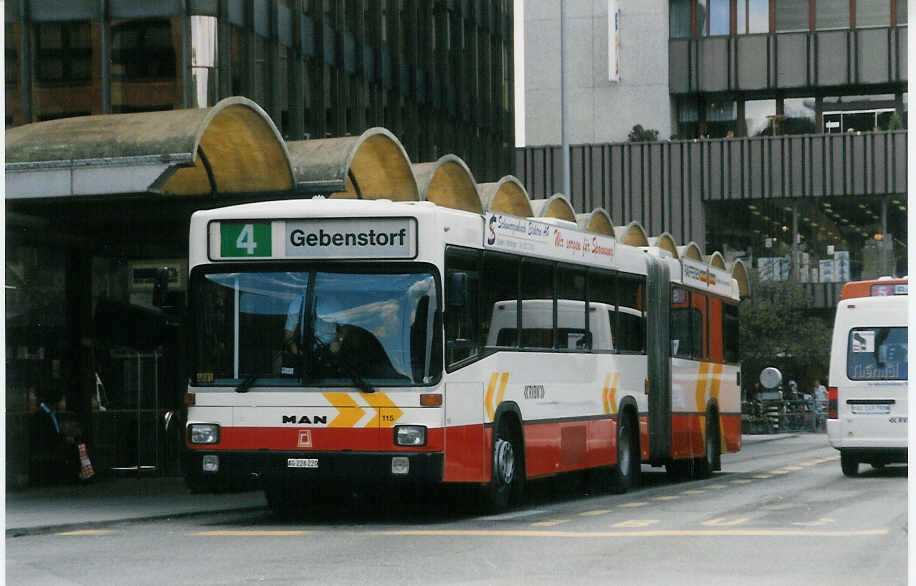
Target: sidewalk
x,y
107,501
102,502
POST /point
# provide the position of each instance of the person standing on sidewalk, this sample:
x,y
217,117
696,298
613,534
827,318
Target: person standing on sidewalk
x,y
55,457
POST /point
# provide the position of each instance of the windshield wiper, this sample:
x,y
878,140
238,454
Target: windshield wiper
x,y
343,366
246,384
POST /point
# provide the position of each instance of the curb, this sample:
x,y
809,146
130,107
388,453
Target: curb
x,y
64,527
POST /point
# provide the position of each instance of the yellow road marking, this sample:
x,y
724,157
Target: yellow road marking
x,y
636,523
87,532
780,471
632,505
694,491
650,533
665,498
741,481
594,513
794,468
716,486
818,523
552,523
761,476
724,522
252,533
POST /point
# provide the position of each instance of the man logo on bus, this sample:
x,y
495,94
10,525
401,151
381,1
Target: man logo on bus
x,y
492,238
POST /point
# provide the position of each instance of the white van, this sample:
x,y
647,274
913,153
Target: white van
x,y
867,392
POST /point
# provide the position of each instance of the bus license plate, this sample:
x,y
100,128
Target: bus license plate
x,y
302,463
871,409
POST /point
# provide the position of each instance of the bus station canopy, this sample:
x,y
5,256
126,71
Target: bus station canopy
x,y
448,182
507,196
597,221
373,165
555,206
230,148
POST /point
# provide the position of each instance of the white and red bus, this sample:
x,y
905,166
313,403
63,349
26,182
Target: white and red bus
x,y
867,387
371,341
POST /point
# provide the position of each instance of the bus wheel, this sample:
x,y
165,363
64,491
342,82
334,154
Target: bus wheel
x,y
626,473
506,471
849,464
712,451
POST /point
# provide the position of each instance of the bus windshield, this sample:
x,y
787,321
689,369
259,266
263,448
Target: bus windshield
x,y
878,353
316,328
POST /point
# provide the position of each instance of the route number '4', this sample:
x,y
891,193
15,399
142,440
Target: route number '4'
x,y
245,240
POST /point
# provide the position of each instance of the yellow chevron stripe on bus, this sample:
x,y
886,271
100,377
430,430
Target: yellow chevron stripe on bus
x,y
379,401
500,390
348,411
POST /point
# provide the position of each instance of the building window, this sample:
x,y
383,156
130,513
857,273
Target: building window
x,y
901,13
702,21
873,13
63,52
758,117
203,60
794,16
720,119
679,19
12,55
239,62
758,16
831,14
688,119
143,49
741,17
800,116
719,17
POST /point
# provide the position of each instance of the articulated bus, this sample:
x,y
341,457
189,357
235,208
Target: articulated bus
x,y
353,341
867,386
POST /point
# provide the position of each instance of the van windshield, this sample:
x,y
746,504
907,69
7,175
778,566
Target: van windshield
x,y
877,353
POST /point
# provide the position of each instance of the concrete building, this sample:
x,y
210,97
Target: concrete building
x,y
779,125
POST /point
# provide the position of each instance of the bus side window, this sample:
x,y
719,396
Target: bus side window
x,y
601,321
537,318
499,291
730,333
572,326
681,346
631,315
700,325
461,319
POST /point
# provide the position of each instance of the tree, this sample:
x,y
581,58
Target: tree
x,y
895,122
640,134
776,328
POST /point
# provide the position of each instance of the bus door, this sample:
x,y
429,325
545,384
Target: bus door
x,y
659,361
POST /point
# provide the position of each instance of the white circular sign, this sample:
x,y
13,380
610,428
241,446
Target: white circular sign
x,y
770,377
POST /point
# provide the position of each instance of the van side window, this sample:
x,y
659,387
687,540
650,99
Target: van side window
x,y
461,320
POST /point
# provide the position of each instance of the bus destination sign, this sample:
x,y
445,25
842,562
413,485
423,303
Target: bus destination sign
x,y
334,238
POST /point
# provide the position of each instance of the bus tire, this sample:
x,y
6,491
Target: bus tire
x,y
705,465
627,471
849,464
507,468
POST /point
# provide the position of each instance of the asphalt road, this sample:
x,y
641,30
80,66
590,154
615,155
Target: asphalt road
x,y
781,512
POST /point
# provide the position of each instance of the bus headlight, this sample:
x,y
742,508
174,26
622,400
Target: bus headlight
x,y
203,433
410,435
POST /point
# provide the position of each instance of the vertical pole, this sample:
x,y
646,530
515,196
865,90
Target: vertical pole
x,y
796,257
25,62
186,86
563,100
105,50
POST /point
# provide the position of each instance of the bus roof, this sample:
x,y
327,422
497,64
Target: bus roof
x,y
883,287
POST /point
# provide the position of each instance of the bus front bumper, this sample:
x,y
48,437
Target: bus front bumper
x,y
217,468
